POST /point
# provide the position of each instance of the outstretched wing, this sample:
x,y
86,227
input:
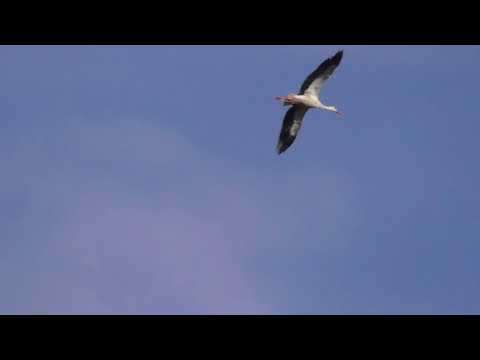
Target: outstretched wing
x,y
314,82
291,126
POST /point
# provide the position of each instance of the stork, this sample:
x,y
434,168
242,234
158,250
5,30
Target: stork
x,y
305,100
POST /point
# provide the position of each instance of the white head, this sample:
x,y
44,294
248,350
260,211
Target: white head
x,y
334,109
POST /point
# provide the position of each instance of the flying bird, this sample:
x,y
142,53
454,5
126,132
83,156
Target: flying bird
x,y
305,100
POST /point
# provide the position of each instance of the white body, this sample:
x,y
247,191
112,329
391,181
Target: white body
x,y
310,100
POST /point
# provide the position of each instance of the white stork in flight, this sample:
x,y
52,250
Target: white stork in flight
x,y
306,99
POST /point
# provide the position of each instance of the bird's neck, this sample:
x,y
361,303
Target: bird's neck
x,y
327,108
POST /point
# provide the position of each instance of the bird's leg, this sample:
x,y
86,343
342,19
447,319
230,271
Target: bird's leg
x,y
283,99
287,100
292,100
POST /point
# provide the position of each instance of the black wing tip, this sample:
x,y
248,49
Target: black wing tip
x,y
281,148
338,57
283,145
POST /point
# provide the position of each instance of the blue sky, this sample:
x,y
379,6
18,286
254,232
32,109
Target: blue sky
x,y
144,180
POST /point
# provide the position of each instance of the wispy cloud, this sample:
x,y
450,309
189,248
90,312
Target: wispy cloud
x,y
133,218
